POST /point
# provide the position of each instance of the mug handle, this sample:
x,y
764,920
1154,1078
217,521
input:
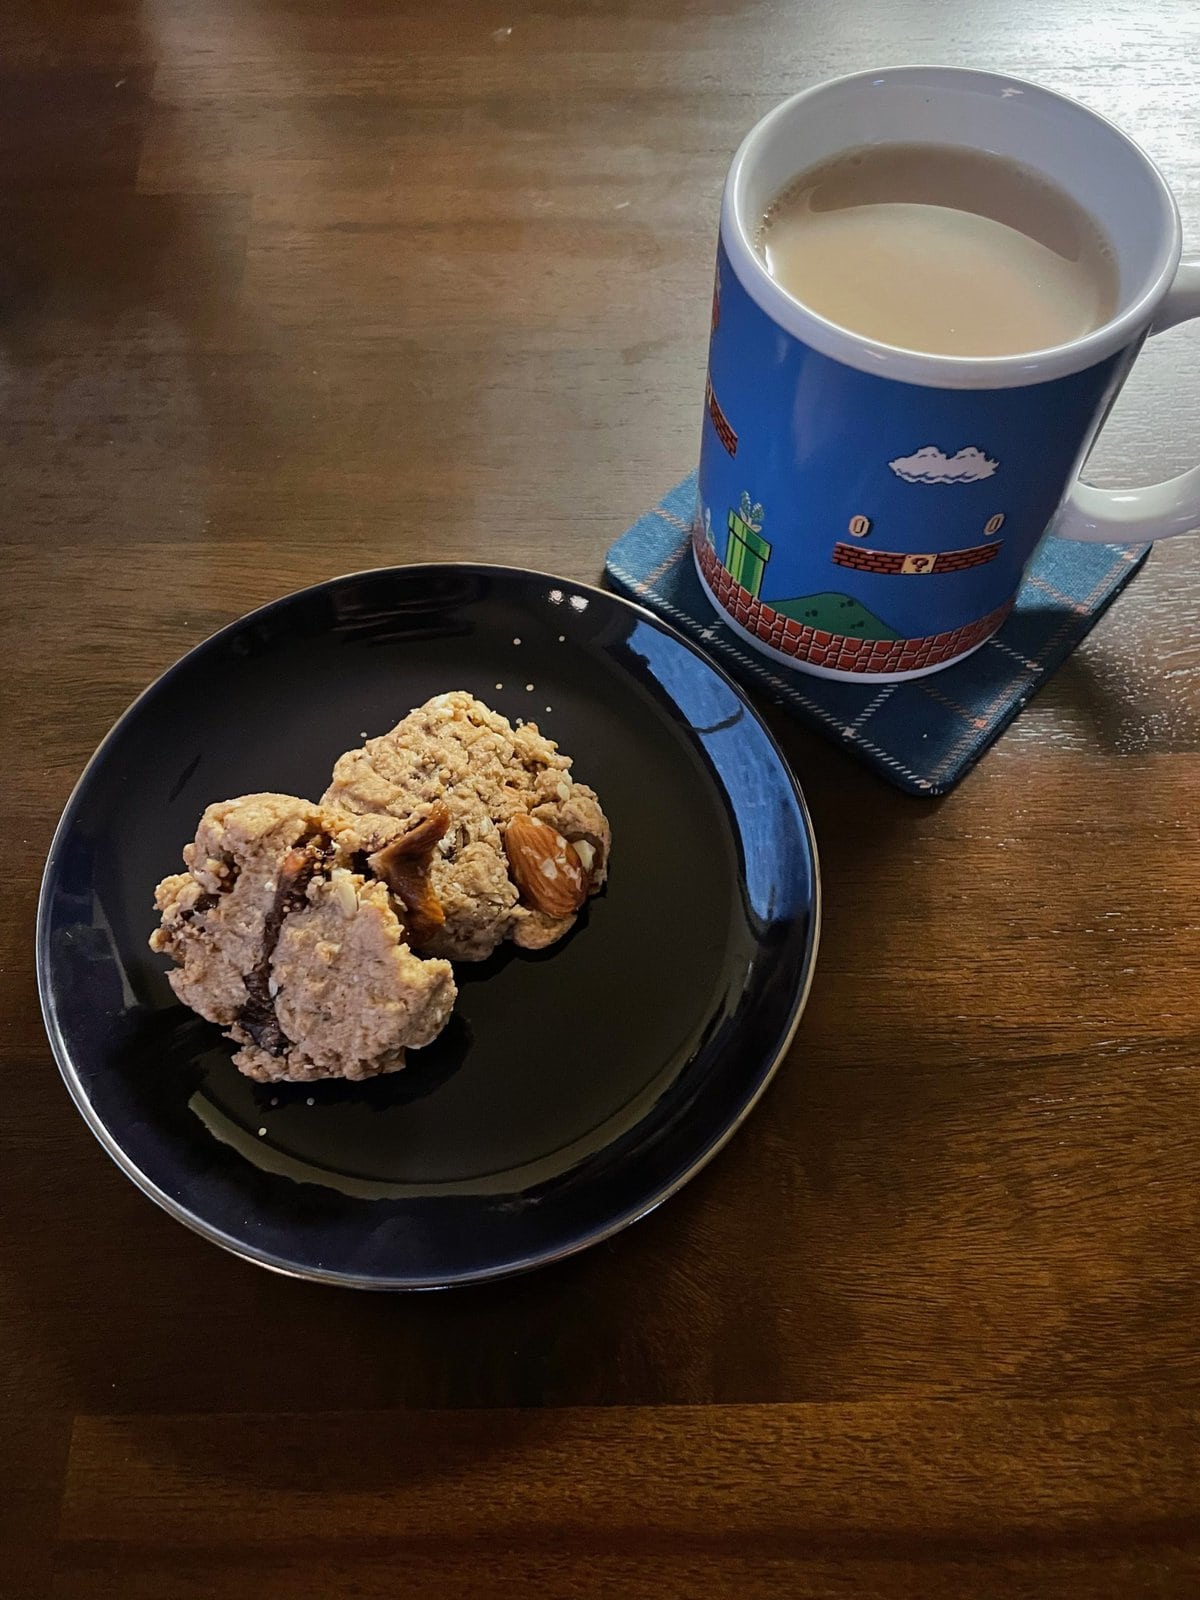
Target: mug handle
x,y
1160,510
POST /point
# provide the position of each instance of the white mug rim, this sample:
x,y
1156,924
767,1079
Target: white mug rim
x,y
911,366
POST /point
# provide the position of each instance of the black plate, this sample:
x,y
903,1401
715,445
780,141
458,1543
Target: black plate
x,y
572,1090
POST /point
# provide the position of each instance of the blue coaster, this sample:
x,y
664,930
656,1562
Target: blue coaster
x,y
923,735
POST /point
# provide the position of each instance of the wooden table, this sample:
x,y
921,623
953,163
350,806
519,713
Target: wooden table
x,y
293,287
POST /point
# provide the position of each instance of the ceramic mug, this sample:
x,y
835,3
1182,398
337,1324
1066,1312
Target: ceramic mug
x,y
867,511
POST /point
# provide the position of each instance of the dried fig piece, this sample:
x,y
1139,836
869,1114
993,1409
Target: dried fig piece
x,y
404,866
295,873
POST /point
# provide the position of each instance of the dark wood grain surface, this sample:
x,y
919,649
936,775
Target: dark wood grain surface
x,y
293,287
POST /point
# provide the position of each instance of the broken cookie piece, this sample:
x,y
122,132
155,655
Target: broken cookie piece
x,y
523,845
303,962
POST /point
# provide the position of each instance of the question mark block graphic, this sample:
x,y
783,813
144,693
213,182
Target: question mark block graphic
x,y
918,563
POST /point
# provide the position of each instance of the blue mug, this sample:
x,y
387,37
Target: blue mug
x,y
866,511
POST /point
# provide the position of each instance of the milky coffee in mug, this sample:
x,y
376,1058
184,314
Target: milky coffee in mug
x,y
930,285
948,250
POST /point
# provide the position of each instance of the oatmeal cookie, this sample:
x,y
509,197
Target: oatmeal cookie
x,y
471,778
304,962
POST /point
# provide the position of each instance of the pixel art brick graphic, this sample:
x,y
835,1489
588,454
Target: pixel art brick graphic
x,y
824,646
719,420
863,559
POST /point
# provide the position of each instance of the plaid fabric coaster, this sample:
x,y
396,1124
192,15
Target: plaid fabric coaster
x,y
923,735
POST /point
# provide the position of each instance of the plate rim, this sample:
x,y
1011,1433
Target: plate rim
x,y
265,1258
